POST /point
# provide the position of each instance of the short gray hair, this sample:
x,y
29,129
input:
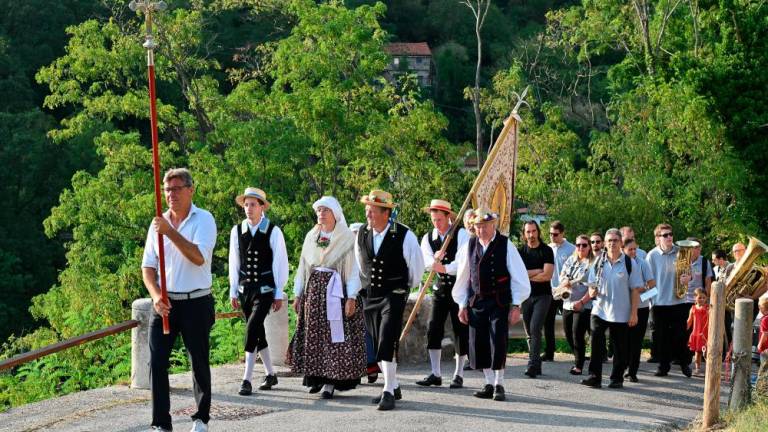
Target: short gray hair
x,y
614,231
182,174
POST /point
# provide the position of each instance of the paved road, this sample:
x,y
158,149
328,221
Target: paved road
x,y
553,402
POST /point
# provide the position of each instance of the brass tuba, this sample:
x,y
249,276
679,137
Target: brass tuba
x,y
683,264
746,277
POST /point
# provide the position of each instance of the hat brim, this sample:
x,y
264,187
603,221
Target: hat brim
x,y
451,213
240,200
366,201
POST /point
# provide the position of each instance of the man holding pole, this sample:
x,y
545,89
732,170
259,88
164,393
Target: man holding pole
x,y
443,305
391,264
491,283
189,236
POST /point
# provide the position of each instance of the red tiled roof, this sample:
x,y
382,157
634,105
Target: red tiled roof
x,y
413,49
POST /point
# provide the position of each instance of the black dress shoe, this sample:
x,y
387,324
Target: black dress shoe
x,y
269,381
315,389
387,402
616,385
661,372
398,395
686,370
485,393
592,381
372,378
633,378
498,393
457,383
245,388
431,380
327,394
531,372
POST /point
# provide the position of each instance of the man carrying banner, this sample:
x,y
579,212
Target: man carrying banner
x,y
491,283
443,305
390,265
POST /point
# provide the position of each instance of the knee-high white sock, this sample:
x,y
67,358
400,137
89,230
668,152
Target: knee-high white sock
x,y
390,373
267,361
434,361
499,377
328,388
488,376
250,359
460,360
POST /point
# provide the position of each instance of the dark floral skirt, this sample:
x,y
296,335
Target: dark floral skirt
x,y
311,351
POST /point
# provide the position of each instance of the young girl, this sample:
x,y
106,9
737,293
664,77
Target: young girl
x,y
697,319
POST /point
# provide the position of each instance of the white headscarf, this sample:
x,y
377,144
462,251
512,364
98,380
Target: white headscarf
x,y
333,204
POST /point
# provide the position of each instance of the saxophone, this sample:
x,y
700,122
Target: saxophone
x,y
599,266
746,277
683,264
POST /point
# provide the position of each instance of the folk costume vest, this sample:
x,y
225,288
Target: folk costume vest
x,y
444,283
488,273
255,258
386,271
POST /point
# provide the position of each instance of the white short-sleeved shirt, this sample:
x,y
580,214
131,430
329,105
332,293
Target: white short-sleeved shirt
x,y
562,253
614,299
183,276
647,276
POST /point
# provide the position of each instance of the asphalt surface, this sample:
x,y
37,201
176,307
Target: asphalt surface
x,y
553,402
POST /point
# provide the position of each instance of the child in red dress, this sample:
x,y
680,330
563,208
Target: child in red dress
x,y
698,319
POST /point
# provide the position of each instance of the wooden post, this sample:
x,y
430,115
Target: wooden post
x,y
714,356
742,354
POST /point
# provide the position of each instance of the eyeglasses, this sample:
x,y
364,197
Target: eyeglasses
x,y
665,235
582,245
174,188
554,234
596,241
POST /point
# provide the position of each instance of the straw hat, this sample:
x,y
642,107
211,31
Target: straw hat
x,y
251,192
483,215
442,205
379,198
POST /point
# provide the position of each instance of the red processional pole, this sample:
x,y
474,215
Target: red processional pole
x,y
148,8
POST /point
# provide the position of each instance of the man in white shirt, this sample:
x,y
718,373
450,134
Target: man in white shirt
x,y
189,236
443,305
491,283
258,271
391,264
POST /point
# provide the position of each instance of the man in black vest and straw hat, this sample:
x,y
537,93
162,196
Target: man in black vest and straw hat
x,y
443,305
491,283
390,265
258,271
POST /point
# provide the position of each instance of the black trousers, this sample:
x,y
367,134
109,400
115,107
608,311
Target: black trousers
x,y
575,326
384,321
192,319
619,335
488,334
670,323
442,308
636,337
255,307
654,337
549,327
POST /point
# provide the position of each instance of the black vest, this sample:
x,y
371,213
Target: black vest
x,y
386,271
488,274
255,258
444,283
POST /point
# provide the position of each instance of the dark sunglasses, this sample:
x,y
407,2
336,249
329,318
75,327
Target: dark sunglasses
x,y
665,235
596,241
554,234
582,245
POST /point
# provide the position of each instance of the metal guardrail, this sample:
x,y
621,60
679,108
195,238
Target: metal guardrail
x,y
79,340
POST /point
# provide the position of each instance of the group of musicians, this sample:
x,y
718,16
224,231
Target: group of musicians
x,y
350,285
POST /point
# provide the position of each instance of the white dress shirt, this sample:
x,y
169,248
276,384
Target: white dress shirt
x,y
279,256
183,276
429,256
411,254
518,275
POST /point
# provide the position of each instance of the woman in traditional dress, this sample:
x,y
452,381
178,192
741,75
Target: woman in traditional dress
x,y
328,347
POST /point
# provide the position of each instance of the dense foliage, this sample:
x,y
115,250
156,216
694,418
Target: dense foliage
x,y
638,112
